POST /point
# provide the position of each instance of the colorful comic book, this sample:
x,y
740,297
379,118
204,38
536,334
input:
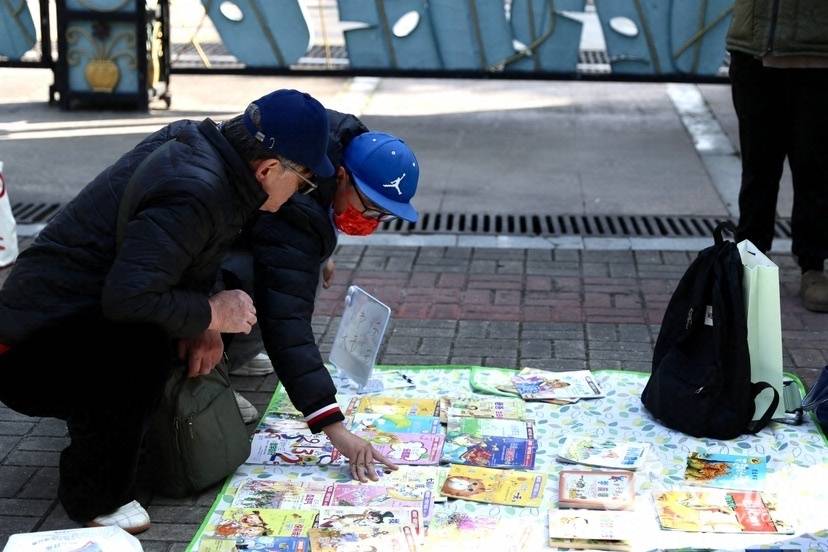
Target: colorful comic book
x,y
364,539
344,518
491,427
602,453
486,407
534,384
509,487
591,529
274,493
720,511
596,490
414,449
458,530
295,448
726,471
260,544
412,480
494,452
244,522
395,423
378,496
392,406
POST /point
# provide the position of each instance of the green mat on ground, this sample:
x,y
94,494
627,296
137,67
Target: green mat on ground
x,y
797,457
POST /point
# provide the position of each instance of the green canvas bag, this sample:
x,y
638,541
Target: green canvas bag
x,y
197,436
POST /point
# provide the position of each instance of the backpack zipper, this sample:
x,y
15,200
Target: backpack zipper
x,y
772,30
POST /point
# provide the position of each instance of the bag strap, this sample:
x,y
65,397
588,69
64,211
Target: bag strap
x,y
128,203
755,425
719,231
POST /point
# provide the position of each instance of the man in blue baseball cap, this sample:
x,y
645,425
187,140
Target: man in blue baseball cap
x,y
90,324
278,260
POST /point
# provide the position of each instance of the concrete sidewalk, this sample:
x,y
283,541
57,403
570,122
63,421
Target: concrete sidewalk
x,y
554,309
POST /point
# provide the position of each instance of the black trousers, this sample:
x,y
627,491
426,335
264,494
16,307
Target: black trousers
x,y
104,379
782,113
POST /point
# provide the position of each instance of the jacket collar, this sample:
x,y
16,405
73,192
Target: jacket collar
x,y
249,191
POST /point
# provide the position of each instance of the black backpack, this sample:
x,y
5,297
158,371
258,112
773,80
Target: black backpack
x,y
700,382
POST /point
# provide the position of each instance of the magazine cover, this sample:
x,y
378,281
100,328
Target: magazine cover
x,y
726,471
540,384
602,530
596,490
494,452
456,531
304,449
602,453
508,487
407,448
395,423
492,427
364,539
392,406
345,518
413,481
243,522
260,544
487,407
280,494
720,511
381,496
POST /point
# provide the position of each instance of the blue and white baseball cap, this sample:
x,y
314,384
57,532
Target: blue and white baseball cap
x,y
292,124
386,172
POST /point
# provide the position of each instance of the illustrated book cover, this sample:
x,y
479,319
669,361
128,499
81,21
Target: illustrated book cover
x,y
494,452
721,511
726,471
596,490
591,529
407,448
534,384
494,486
602,453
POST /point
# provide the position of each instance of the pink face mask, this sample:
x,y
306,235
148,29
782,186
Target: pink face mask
x,y
353,223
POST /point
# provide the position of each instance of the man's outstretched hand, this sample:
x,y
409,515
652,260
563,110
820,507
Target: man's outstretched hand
x,y
361,455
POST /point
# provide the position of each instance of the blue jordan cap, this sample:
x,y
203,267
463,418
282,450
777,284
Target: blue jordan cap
x,y
386,172
294,125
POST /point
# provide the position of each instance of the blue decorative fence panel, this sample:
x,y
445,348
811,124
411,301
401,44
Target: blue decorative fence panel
x,y
17,30
549,39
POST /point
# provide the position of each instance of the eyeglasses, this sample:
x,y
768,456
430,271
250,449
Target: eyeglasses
x,y
307,185
372,212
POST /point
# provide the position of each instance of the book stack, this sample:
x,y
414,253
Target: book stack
x,y
602,453
556,387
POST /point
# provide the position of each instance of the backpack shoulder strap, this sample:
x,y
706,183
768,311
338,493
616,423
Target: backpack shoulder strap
x,y
756,425
128,201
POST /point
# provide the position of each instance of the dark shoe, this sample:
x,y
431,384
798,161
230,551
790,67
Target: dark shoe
x,y
814,291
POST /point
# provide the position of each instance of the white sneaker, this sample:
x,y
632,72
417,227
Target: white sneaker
x,y
131,517
248,411
260,365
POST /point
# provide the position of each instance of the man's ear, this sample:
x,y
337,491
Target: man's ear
x,y
262,167
341,177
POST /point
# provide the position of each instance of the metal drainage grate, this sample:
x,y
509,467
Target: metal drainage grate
x,y
645,226
34,213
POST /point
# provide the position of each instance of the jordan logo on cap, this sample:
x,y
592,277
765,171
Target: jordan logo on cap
x,y
395,184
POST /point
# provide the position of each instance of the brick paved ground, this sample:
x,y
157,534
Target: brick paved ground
x,y
561,309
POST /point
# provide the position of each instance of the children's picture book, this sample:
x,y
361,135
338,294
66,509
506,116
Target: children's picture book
x,y
407,448
533,384
726,471
393,405
494,452
412,481
508,487
282,494
591,529
244,522
491,427
487,407
345,518
443,405
296,448
596,490
260,544
383,496
364,539
720,511
395,423
602,453
454,531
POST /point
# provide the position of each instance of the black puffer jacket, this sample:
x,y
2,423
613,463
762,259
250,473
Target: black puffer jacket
x,y
193,205
289,247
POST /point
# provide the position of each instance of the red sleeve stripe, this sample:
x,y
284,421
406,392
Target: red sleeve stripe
x,y
321,414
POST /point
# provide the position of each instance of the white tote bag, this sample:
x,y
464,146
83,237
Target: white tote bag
x,y
764,325
8,228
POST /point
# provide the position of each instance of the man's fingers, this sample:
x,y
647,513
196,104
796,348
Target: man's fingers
x,y
380,458
194,365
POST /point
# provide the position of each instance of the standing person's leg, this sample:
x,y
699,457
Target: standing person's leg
x,y
809,168
759,100
124,372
